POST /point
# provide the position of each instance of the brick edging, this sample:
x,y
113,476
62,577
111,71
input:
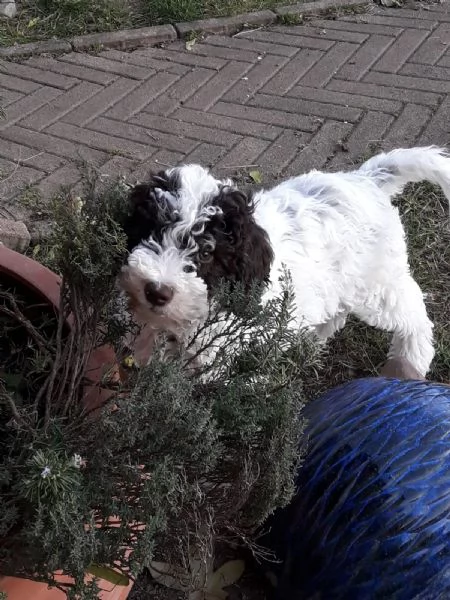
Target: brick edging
x,y
14,235
126,39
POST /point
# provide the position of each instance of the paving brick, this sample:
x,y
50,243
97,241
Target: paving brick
x,y
8,97
54,145
14,235
413,83
179,129
356,27
226,53
397,21
205,154
407,128
77,71
139,97
322,33
438,129
163,105
117,166
114,169
384,91
427,13
176,54
275,117
189,83
260,73
401,50
239,126
217,85
434,46
180,91
296,41
284,98
37,75
440,13
145,134
17,180
435,72
368,134
100,102
244,153
322,146
28,104
142,58
167,159
164,159
61,105
15,83
6,168
100,141
443,8
31,157
241,43
281,152
294,70
109,66
366,55
307,107
345,99
67,176
329,64
445,61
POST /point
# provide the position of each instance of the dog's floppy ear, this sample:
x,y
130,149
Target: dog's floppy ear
x,y
145,209
142,214
242,247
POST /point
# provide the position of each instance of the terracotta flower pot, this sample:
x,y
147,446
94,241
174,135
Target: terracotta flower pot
x,y
24,589
46,284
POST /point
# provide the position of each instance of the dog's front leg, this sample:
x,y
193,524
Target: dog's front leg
x,y
142,345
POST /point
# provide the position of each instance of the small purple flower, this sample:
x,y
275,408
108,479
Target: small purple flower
x,y
46,471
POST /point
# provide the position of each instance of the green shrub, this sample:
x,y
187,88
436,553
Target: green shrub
x,y
174,461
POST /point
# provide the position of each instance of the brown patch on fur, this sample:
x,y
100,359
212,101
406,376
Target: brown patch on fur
x,y
243,252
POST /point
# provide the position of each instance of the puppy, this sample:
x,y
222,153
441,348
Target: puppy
x,y
338,235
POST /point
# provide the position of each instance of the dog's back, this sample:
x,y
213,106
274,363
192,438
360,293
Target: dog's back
x,y
343,242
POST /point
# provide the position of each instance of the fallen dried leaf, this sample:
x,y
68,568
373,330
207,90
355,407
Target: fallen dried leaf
x,y
256,176
190,44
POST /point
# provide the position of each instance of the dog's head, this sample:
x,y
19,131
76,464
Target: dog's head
x,y
187,232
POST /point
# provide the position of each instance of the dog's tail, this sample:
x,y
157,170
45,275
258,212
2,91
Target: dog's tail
x,y
393,170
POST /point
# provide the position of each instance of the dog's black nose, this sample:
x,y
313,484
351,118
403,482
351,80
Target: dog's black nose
x,y
158,295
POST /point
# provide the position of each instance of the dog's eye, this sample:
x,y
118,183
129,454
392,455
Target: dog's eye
x,y
188,268
205,255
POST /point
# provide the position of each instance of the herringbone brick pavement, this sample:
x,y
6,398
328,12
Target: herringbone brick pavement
x,y
282,100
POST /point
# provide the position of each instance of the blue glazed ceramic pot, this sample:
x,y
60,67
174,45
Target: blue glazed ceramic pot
x,y
371,516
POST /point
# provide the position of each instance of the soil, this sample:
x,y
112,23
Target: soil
x,y
253,585
250,587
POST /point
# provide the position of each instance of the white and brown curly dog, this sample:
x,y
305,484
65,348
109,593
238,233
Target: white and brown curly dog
x,y
337,233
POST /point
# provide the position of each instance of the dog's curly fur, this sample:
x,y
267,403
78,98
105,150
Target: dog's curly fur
x,y
337,233
145,210
241,251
